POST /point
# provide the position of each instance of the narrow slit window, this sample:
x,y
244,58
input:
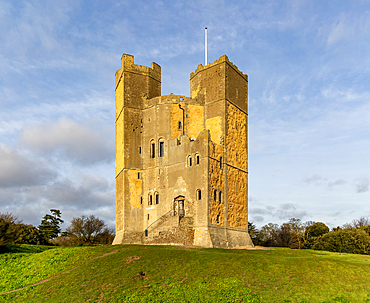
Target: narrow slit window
x,y
218,219
161,148
236,186
157,198
190,161
236,157
179,126
220,163
141,200
197,160
215,194
152,149
138,175
148,216
150,200
199,194
139,149
220,196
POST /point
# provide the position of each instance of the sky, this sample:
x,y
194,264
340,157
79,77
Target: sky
x,y
308,64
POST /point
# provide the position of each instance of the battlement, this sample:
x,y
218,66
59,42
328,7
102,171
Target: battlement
x,y
127,65
222,59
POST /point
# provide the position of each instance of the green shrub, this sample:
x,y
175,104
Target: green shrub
x,y
314,231
355,241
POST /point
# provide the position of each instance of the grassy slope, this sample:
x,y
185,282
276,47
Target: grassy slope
x,y
278,275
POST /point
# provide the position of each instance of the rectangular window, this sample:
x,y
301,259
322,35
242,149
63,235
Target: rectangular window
x,y
161,149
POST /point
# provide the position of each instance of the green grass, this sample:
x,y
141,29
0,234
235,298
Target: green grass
x,y
138,273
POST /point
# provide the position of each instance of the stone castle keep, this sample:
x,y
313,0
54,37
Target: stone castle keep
x,y
182,163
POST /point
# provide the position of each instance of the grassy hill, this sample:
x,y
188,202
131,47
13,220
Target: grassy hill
x,y
135,273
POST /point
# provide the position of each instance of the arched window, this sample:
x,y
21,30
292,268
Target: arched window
x,y
152,149
150,199
161,148
220,196
215,194
156,198
190,161
199,194
220,162
197,159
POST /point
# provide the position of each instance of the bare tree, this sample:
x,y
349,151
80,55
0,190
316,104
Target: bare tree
x,y
85,230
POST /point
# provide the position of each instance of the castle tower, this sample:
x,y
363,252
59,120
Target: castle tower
x,y
134,84
182,166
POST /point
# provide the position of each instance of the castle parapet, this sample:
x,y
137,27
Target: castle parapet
x,y
127,65
222,59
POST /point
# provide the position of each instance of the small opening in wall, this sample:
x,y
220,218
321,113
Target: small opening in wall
x,y
199,194
190,161
220,162
148,216
150,200
236,186
161,148
236,124
141,200
138,175
156,198
181,98
139,149
215,194
236,157
179,126
217,219
197,159
220,196
152,149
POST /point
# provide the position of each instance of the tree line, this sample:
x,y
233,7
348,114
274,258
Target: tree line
x,y
84,230
352,237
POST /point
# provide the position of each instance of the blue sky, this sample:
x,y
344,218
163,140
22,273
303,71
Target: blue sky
x,y
309,99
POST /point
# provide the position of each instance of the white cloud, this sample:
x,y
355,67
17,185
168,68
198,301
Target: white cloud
x,y
85,144
17,169
362,185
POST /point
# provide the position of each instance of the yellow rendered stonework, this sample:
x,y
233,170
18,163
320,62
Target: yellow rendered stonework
x,y
236,142
119,201
195,92
176,116
195,120
119,144
215,127
136,188
237,198
119,97
216,183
